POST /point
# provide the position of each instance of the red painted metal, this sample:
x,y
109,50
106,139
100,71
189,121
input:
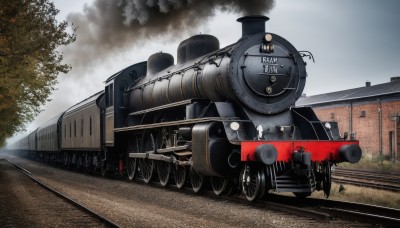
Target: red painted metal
x,y
121,167
320,149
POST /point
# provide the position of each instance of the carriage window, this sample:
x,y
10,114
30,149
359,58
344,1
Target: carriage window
x,y
65,131
107,95
111,95
82,127
90,125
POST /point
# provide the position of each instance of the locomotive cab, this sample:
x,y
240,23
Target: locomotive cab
x,y
114,114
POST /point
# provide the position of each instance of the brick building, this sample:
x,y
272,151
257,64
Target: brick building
x,y
371,112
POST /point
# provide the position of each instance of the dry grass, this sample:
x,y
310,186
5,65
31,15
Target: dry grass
x,y
362,195
367,195
373,163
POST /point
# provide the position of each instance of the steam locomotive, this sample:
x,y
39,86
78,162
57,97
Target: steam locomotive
x,y
226,116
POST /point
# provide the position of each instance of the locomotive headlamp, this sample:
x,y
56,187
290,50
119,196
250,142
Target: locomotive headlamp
x,y
260,131
267,48
268,37
234,126
328,126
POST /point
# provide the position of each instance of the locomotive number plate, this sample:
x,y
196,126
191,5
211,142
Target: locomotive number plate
x,y
269,60
271,69
271,64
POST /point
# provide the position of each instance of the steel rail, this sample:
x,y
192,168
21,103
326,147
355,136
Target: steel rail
x,y
106,221
367,178
348,210
381,186
318,209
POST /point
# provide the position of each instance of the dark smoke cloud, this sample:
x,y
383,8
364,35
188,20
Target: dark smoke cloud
x,y
108,26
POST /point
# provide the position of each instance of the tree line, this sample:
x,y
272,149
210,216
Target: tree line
x,y
30,61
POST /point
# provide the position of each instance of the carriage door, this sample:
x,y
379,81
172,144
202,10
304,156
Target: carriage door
x,y
109,115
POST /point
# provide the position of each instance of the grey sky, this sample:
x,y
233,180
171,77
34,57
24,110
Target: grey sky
x,y
352,41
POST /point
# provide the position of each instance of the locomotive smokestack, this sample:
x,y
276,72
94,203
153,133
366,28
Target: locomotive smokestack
x,y
252,25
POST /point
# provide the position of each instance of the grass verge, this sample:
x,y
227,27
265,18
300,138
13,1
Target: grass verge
x,y
373,164
362,195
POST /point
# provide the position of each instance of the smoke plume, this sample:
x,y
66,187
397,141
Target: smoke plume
x,y
108,26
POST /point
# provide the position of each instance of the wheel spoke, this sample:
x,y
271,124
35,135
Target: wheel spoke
x,y
254,183
146,165
197,180
131,163
219,185
179,175
131,168
164,172
147,169
327,178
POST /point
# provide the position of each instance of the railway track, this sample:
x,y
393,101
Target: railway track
x,y
319,210
105,221
373,179
346,210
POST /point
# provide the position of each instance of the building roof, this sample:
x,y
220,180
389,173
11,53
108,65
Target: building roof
x,y
384,89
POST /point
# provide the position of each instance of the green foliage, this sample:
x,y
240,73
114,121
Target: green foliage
x,y
29,60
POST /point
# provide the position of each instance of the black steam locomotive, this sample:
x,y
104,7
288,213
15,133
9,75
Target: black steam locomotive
x,y
225,115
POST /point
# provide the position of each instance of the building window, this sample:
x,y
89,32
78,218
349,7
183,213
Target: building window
x,y
65,131
332,116
75,128
70,129
362,114
81,127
